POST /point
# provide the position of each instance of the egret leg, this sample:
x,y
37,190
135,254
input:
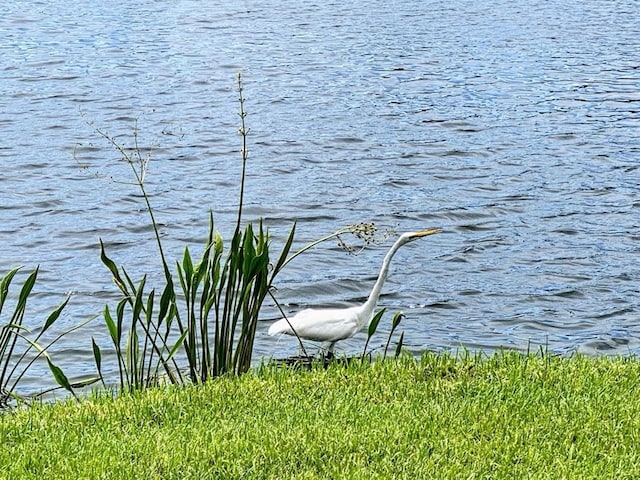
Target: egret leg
x,y
329,355
326,350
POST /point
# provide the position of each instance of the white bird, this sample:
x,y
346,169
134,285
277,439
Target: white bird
x,y
333,324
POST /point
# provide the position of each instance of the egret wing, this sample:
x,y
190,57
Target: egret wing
x,y
325,325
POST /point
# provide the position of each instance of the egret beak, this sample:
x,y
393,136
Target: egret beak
x,y
424,233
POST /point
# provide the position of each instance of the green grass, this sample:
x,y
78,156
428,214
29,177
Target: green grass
x,y
505,416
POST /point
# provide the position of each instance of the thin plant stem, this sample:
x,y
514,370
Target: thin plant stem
x,y
284,315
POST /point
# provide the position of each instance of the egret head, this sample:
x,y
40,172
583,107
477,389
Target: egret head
x,y
411,236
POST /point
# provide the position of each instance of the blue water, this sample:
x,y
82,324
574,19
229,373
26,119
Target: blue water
x,y
512,125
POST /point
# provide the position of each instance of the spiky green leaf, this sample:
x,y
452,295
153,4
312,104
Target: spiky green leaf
x,y
111,326
187,264
373,325
54,315
177,345
4,285
27,287
285,251
400,344
110,264
97,355
59,376
165,302
397,318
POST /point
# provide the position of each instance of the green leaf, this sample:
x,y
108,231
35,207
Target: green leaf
x,y
176,346
97,355
200,269
16,326
285,251
165,301
112,268
400,344
24,295
181,278
129,282
397,318
132,355
373,325
55,314
249,252
111,325
210,236
257,264
138,305
218,244
59,376
149,308
215,267
4,285
187,265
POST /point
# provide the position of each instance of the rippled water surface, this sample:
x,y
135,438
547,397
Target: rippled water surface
x,y
512,125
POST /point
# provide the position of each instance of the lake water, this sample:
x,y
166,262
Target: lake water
x,y
513,125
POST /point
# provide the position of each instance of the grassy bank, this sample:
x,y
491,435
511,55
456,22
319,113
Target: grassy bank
x,y
506,416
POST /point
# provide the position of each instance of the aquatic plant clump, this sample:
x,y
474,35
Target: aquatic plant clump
x,y
18,350
211,324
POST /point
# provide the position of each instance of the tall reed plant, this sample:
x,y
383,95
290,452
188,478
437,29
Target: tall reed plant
x,y
206,326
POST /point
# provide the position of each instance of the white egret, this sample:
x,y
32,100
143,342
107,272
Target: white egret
x,y
333,324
